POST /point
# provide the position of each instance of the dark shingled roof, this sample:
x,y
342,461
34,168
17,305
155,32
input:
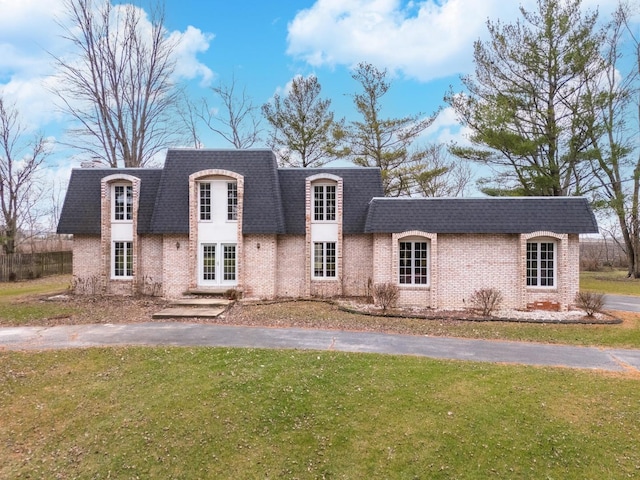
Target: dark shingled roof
x,y
274,201
481,215
81,209
359,186
262,205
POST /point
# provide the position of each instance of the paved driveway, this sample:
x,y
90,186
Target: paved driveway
x,y
186,334
625,303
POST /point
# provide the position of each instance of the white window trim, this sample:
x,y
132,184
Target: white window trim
x,y
223,272
200,219
413,240
538,241
324,184
113,202
113,260
235,213
324,261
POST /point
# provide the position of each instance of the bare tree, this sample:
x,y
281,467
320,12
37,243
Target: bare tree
x,y
613,102
119,88
21,158
238,122
438,175
190,116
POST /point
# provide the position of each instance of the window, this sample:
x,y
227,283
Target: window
x,y
123,202
324,259
229,268
232,201
123,259
541,265
209,262
205,201
413,263
324,203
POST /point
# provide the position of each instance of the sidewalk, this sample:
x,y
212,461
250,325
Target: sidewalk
x,y
186,334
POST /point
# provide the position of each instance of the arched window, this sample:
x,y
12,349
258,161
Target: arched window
x,y
541,262
413,261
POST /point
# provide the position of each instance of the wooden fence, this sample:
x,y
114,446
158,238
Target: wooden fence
x,y
27,266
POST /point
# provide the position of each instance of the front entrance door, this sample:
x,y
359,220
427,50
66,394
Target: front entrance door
x,y
217,264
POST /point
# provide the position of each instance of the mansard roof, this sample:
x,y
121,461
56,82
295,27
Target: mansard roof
x,y
80,212
274,201
359,186
263,211
481,215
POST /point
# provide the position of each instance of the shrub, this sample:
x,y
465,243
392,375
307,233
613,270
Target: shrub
x,y
590,302
232,294
486,300
385,295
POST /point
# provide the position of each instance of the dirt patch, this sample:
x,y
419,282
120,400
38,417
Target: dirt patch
x,y
342,315
102,309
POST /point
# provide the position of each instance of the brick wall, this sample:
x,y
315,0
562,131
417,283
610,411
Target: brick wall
x,y
357,264
467,263
290,266
149,262
462,264
260,266
87,262
176,273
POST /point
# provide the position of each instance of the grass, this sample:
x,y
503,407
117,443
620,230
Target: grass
x,y
234,413
21,302
610,281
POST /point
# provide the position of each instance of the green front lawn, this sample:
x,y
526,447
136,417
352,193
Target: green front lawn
x,y
610,281
233,413
22,302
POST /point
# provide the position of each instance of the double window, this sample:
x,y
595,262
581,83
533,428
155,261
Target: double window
x,y
209,193
123,259
324,259
413,263
541,264
211,271
324,203
122,202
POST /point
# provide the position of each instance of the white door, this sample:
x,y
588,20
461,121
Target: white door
x,y
218,264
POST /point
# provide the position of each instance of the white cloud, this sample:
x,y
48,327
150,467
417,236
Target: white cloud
x,y
423,40
190,43
30,33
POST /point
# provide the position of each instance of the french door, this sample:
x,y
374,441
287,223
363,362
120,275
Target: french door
x,y
217,264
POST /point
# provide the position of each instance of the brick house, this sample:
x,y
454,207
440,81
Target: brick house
x,y
215,220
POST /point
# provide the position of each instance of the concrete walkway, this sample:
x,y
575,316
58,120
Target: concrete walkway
x,y
186,334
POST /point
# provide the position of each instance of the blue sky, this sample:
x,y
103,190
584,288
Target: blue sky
x,y
425,44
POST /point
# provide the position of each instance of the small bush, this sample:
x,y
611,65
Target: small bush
x,y
590,302
13,276
232,294
486,300
385,295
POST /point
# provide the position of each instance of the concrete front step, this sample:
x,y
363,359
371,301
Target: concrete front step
x,y
199,302
194,307
189,312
